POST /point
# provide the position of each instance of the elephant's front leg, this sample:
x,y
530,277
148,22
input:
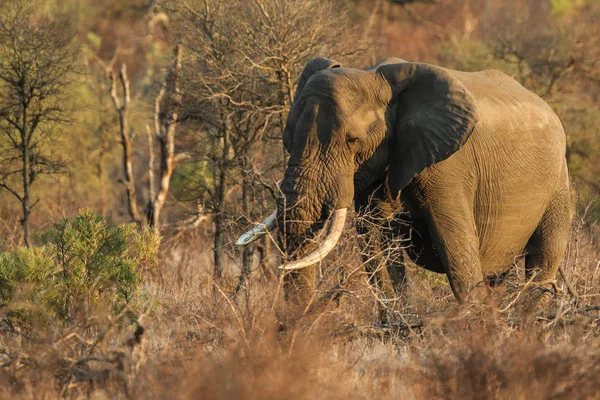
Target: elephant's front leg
x,y
299,286
452,228
382,257
375,255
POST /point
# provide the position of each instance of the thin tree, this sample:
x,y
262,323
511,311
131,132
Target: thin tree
x,y
166,109
240,74
37,59
165,119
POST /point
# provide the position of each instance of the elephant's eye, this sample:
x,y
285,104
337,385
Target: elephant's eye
x,y
353,143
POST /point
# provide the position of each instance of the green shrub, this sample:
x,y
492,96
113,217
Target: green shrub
x,y
565,7
84,264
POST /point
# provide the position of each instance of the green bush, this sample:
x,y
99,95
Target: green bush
x,y
84,264
565,7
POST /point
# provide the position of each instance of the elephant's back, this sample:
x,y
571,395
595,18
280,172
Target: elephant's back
x,y
518,138
513,164
520,147
502,100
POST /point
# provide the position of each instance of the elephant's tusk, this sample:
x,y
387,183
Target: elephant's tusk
x,y
259,230
336,227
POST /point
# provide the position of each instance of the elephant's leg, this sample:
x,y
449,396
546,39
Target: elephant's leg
x,y
421,249
395,260
380,259
452,229
373,246
547,245
377,273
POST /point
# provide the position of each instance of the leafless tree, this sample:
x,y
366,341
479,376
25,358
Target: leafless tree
x,y
244,61
125,132
165,119
166,108
37,59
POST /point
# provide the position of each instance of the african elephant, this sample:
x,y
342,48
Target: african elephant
x,y
476,161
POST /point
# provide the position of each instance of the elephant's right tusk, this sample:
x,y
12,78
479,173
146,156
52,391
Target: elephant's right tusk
x,y
259,230
336,227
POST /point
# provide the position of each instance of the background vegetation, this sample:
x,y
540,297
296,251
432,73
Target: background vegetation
x,y
139,138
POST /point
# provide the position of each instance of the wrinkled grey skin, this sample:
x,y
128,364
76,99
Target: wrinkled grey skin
x,y
475,160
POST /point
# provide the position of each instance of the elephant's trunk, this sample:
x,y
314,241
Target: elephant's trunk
x,y
310,222
310,226
336,227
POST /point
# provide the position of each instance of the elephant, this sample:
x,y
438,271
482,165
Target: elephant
x,y
476,162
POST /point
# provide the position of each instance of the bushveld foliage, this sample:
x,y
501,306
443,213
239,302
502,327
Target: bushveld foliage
x,y
83,264
202,340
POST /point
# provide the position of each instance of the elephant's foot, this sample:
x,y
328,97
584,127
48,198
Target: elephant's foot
x,y
478,294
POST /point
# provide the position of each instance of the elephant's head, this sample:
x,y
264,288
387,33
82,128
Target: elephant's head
x,y
348,128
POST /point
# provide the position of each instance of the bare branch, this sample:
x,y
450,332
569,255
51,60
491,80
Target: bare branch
x,y
113,91
151,182
122,108
166,106
14,192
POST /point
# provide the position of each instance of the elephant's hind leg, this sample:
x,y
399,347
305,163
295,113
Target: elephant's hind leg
x,y
547,245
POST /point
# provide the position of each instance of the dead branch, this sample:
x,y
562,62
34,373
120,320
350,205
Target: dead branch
x,y
151,183
166,107
121,107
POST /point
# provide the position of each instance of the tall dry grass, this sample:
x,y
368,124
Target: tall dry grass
x,y
200,339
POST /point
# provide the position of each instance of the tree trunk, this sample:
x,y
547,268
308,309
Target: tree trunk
x,y
165,124
249,249
121,109
167,166
132,204
26,178
220,204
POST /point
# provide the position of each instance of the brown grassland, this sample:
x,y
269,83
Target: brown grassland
x,y
200,339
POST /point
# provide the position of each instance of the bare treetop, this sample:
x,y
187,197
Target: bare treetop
x,y
37,59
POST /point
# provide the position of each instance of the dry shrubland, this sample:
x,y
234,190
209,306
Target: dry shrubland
x,y
196,338
101,307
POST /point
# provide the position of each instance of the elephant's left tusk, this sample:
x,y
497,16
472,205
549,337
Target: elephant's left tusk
x,y
259,230
336,228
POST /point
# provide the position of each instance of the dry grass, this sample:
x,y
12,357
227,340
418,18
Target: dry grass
x,y
203,341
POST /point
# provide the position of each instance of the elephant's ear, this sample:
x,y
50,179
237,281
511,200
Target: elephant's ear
x,y
435,114
311,67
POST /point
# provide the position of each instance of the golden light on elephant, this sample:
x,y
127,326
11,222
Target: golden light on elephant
x,y
475,161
